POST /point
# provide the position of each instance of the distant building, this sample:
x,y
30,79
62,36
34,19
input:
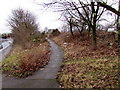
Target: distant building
x,y
50,31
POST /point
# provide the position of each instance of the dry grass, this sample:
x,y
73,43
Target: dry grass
x,y
22,63
80,46
84,67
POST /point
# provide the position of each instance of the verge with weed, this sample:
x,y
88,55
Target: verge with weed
x,y
22,63
86,68
89,73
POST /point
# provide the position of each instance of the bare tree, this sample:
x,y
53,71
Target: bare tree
x,y
70,24
90,15
108,7
23,26
87,12
117,12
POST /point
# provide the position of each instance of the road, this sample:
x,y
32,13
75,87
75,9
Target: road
x,y
6,48
7,45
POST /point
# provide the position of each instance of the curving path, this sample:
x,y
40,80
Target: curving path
x,y
44,78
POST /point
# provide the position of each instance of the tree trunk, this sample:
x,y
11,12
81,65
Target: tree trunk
x,y
94,35
82,29
71,31
118,26
78,30
94,26
89,27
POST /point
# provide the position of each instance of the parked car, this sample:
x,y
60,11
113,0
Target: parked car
x,y
1,46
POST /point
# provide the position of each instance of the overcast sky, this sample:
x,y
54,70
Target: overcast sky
x,y
44,18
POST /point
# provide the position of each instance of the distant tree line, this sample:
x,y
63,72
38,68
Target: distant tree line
x,y
7,35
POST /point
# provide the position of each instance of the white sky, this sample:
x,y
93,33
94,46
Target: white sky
x,y
45,19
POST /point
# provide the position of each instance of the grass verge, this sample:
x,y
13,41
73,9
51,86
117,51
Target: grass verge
x,y
89,73
22,63
84,67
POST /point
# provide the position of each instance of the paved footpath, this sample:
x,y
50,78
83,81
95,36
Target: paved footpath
x,y
45,78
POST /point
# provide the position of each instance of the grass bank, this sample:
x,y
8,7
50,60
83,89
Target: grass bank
x,y
84,67
24,62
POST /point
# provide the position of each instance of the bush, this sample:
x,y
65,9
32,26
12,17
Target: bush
x,y
23,25
22,63
55,32
40,37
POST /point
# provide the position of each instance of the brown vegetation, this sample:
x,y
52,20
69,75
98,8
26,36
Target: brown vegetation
x,y
22,63
23,25
81,46
30,51
84,67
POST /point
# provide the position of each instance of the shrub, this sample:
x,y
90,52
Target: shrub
x,y
55,32
23,25
22,63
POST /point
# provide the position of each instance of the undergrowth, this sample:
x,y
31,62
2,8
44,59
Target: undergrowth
x,y
22,63
84,67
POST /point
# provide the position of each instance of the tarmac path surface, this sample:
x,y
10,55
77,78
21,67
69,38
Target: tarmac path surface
x,y
44,78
